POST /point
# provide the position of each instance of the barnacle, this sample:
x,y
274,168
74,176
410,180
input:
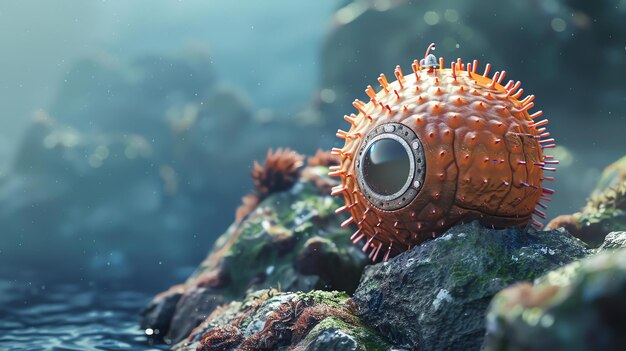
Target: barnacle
x,y
438,147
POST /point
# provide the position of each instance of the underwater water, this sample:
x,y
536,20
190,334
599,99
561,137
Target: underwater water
x,y
128,131
70,317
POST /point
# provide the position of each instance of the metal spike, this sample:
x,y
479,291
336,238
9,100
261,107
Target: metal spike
x,y
518,94
383,82
514,88
399,76
370,92
536,114
336,174
416,68
359,105
357,236
526,107
347,222
494,80
350,119
388,252
502,75
341,134
487,68
541,123
338,190
377,251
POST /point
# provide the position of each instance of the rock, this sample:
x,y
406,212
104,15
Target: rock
x,y
614,240
434,297
604,212
269,320
157,314
581,306
193,308
612,176
291,239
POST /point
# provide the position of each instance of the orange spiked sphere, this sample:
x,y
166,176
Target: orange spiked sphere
x,y
438,147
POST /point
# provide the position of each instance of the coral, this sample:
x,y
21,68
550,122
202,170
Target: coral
x,y
323,158
280,171
439,147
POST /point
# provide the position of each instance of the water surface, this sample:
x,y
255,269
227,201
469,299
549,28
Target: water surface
x,y
67,317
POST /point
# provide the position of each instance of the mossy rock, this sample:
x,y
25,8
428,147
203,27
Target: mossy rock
x,y
272,320
434,297
605,210
581,306
292,240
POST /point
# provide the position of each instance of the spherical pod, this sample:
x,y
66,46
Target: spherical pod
x,y
438,147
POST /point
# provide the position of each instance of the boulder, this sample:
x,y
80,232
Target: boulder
x,y
581,306
614,240
434,297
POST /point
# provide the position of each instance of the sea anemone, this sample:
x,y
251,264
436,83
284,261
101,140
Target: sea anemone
x,y
279,173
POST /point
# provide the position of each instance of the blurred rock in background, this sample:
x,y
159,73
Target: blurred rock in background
x,y
135,170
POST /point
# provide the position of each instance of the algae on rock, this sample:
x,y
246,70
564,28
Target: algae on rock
x,y
292,240
434,297
272,320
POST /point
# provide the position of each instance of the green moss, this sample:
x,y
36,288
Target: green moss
x,y
269,241
365,337
330,298
502,265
